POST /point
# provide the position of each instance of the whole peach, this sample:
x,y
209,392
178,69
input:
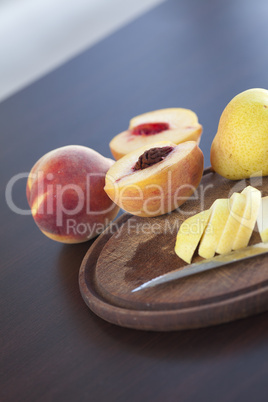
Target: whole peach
x,y
66,196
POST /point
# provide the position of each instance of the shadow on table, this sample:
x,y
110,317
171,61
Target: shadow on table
x,y
231,338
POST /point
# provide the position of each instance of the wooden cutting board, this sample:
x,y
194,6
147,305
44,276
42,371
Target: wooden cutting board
x,y
134,250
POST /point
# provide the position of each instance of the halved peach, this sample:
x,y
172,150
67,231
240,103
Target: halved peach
x,y
176,124
152,181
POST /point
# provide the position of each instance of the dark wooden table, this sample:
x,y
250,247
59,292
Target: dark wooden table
x,y
195,54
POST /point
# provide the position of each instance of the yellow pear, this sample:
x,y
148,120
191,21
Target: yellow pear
x,y
240,147
189,235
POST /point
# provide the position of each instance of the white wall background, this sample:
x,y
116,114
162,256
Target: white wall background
x,y
38,35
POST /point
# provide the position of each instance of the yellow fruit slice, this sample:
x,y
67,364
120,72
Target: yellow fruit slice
x,y
219,214
262,219
237,207
251,211
189,235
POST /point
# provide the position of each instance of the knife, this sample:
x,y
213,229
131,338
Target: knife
x,y
207,265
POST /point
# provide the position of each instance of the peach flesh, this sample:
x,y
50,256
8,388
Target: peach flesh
x,y
149,128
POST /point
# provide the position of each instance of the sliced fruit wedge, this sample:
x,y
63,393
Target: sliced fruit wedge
x,y
262,219
175,124
219,214
237,207
248,221
155,181
189,235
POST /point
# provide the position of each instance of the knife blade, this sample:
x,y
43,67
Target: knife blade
x,y
207,265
